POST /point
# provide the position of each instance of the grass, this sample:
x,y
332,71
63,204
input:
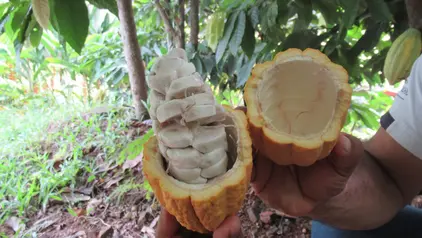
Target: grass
x,y
45,149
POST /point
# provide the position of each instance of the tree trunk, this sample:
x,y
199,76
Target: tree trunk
x,y
133,57
194,22
414,13
182,23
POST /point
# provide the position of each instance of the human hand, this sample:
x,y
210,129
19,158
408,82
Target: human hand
x,y
169,227
296,190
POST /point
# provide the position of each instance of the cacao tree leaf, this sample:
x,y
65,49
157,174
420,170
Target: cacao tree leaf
x,y
228,30
41,10
299,39
238,33
379,10
304,12
244,72
19,15
6,10
284,11
254,16
22,33
328,9
330,46
369,40
248,41
110,5
35,36
366,115
351,9
72,22
268,17
209,63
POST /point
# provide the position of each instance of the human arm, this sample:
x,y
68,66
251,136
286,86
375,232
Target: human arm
x,y
390,173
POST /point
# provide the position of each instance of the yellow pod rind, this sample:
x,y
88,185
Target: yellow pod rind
x,y
284,148
202,208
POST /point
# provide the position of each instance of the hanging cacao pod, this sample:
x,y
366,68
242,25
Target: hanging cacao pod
x,y
215,29
402,54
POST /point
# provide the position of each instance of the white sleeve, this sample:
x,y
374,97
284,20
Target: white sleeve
x,y
403,121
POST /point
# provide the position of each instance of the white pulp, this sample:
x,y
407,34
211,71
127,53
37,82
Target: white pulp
x,y
187,120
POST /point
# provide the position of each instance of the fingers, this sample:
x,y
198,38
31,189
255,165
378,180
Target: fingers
x,y
229,228
261,173
167,225
328,177
346,154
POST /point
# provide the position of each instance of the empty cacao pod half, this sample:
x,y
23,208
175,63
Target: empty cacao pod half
x,y
297,104
199,161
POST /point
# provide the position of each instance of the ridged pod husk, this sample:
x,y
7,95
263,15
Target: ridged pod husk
x,y
297,104
402,54
203,207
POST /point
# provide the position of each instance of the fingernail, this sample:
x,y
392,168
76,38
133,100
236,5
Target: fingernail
x,y
347,145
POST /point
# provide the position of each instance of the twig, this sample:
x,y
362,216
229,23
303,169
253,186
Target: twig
x,y
166,19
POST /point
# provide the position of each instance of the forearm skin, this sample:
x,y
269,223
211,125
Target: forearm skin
x,y
370,199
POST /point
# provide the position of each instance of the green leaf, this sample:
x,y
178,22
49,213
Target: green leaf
x,y
328,9
110,5
237,36
299,39
379,10
368,117
72,22
228,29
351,9
304,12
254,16
35,36
19,15
369,40
248,41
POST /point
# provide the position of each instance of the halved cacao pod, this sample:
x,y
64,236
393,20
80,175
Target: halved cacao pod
x,y
202,207
297,104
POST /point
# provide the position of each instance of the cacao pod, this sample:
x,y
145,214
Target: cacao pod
x,y
215,29
402,54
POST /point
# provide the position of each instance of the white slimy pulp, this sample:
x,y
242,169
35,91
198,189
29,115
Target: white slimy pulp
x,y
187,121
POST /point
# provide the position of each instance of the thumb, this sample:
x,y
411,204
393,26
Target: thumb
x,y
230,228
346,154
328,177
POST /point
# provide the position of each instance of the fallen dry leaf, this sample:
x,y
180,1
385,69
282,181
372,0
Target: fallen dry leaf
x,y
75,197
15,223
92,205
113,181
106,232
129,164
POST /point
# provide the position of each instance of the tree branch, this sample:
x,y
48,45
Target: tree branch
x,y
194,22
133,57
182,23
167,23
414,13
